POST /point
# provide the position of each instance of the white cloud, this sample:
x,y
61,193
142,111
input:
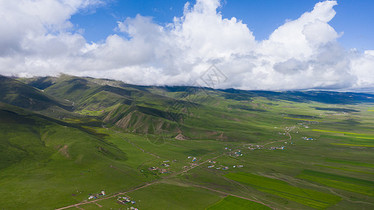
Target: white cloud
x,y
37,38
363,67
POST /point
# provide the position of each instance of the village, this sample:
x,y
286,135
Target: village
x,y
236,152
96,196
123,200
164,167
165,164
127,200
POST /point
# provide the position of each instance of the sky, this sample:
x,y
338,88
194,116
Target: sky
x,y
354,17
253,45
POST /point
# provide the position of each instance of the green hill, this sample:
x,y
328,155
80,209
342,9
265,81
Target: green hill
x,y
19,94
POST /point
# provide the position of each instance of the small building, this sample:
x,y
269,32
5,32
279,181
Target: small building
x,y
163,170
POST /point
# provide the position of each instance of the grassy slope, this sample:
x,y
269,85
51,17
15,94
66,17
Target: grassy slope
x,y
43,163
19,94
34,148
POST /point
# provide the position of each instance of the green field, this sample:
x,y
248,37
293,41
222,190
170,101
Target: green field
x,y
351,163
352,145
307,197
166,196
231,202
341,182
342,132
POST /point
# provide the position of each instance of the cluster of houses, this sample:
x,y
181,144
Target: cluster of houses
x,y
160,170
306,124
211,162
226,167
194,159
254,147
275,148
222,167
303,125
307,139
165,164
126,200
95,196
238,153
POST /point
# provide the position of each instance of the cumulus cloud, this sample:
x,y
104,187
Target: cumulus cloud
x,y
37,38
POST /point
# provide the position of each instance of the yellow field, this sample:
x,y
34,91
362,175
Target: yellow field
x,y
361,137
342,132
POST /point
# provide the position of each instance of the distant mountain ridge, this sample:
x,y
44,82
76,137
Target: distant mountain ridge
x,y
171,110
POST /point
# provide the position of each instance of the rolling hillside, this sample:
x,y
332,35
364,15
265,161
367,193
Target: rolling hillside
x,y
19,94
186,110
64,139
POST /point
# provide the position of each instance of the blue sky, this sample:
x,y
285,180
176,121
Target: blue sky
x,y
355,18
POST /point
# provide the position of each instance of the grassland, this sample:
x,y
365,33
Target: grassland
x,y
166,196
249,145
342,132
351,163
300,119
231,202
341,182
307,197
352,145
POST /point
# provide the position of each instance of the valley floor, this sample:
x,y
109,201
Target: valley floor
x,y
304,168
